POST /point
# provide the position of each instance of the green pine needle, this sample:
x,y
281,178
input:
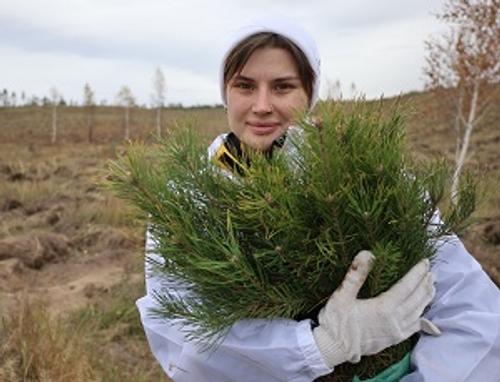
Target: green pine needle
x,y
277,242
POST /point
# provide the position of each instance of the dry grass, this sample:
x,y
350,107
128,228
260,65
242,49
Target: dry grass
x,y
32,124
101,342
36,347
58,191
29,193
109,211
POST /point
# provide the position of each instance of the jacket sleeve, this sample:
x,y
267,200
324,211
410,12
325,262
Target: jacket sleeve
x,y
467,310
253,350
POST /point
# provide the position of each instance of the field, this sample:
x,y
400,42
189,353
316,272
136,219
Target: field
x,y
71,255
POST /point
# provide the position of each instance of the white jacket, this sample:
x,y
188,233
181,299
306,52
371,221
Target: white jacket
x,y
466,308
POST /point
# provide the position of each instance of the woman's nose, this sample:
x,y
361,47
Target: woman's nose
x,y
263,102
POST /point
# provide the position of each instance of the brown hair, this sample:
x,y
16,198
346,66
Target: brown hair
x,y
240,54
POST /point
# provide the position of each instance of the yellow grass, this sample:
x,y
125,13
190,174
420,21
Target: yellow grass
x,y
36,347
29,192
109,211
102,342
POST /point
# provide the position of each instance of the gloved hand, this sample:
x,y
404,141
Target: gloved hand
x,y
350,327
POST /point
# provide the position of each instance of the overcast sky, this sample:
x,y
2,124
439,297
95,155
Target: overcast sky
x,y
377,45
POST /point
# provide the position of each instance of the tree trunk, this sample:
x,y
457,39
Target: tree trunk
x,y
90,125
464,144
458,122
127,121
158,121
54,124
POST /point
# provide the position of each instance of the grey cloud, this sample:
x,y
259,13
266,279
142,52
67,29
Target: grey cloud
x,y
38,38
361,14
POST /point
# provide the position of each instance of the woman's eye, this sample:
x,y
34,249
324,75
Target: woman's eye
x,y
284,87
243,85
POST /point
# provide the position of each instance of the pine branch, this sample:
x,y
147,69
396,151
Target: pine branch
x,y
277,242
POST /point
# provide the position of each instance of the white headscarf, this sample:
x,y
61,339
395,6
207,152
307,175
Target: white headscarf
x,y
286,28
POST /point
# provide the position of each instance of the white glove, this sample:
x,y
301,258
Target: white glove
x,y
350,327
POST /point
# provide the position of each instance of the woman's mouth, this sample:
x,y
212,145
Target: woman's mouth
x,y
262,128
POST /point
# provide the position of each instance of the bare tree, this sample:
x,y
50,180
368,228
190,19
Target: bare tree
x,y
126,99
54,101
353,90
4,97
89,104
465,64
158,97
334,90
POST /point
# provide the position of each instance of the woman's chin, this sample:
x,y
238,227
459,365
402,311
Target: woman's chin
x,y
259,143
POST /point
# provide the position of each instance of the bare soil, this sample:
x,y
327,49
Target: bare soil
x,y
61,239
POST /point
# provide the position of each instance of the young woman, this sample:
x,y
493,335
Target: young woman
x,y
270,72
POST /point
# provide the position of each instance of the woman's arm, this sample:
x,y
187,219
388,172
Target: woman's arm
x,y
467,310
253,350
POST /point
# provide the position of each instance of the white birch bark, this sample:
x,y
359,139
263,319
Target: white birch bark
x,y
158,121
127,122
54,123
464,144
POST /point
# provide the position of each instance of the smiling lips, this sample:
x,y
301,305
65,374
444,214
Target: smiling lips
x,y
262,128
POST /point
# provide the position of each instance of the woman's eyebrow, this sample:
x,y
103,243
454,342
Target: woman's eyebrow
x,y
287,78
240,77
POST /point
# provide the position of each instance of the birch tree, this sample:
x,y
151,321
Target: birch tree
x,y
158,97
89,104
4,98
54,101
127,101
464,64
334,90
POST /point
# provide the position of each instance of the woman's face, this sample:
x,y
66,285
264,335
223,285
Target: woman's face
x,y
263,99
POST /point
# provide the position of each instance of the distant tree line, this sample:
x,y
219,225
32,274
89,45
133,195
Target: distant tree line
x,y
13,99
123,98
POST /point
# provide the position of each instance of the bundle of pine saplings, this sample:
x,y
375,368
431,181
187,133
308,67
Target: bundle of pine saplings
x,y
276,241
